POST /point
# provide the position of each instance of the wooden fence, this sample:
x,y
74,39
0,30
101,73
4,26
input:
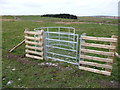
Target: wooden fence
x,y
34,44
94,57
97,64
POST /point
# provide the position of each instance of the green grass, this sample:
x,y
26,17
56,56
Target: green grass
x,y
65,75
80,19
7,17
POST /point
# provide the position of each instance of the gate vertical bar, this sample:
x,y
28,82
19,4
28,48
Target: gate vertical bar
x,y
68,35
44,45
74,39
35,40
77,52
59,34
47,41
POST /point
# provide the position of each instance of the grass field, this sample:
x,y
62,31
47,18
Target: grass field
x,y
28,73
80,19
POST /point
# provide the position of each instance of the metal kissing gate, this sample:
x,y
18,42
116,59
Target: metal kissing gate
x,y
62,44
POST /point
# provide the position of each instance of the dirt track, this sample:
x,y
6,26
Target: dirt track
x,y
7,20
72,22
83,23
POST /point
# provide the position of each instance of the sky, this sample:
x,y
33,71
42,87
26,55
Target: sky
x,y
75,7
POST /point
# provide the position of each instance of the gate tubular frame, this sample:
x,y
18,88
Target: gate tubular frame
x,y
59,40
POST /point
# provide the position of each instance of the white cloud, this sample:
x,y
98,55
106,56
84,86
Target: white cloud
x,y
77,7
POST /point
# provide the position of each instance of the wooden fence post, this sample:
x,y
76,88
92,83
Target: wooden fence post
x,y
112,50
82,47
26,34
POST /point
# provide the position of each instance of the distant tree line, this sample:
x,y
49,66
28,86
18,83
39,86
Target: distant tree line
x,y
67,16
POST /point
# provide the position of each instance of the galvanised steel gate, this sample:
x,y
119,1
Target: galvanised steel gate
x,y
61,43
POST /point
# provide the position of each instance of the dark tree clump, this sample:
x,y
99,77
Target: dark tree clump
x,y
67,16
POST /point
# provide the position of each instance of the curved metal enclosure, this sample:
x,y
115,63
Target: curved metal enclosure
x,y
60,43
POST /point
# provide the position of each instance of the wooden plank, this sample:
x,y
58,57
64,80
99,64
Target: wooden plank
x,y
96,64
95,70
99,39
34,52
97,52
96,58
116,54
98,45
34,43
34,32
33,38
18,45
35,48
35,57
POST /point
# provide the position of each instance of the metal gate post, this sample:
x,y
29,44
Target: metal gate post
x,y
78,49
44,45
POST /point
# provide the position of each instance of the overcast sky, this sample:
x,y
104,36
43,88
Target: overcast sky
x,y
76,7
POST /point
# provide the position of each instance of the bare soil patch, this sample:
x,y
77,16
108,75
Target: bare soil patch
x,y
21,59
36,21
24,60
72,22
113,84
7,20
84,23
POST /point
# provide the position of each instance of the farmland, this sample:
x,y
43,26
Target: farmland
x,y
23,72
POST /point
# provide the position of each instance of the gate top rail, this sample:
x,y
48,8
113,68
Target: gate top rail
x,y
55,27
59,28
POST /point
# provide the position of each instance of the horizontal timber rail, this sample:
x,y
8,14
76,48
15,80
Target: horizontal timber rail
x,y
34,52
35,57
96,64
100,39
33,32
33,38
35,48
97,52
98,45
95,70
96,58
34,43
